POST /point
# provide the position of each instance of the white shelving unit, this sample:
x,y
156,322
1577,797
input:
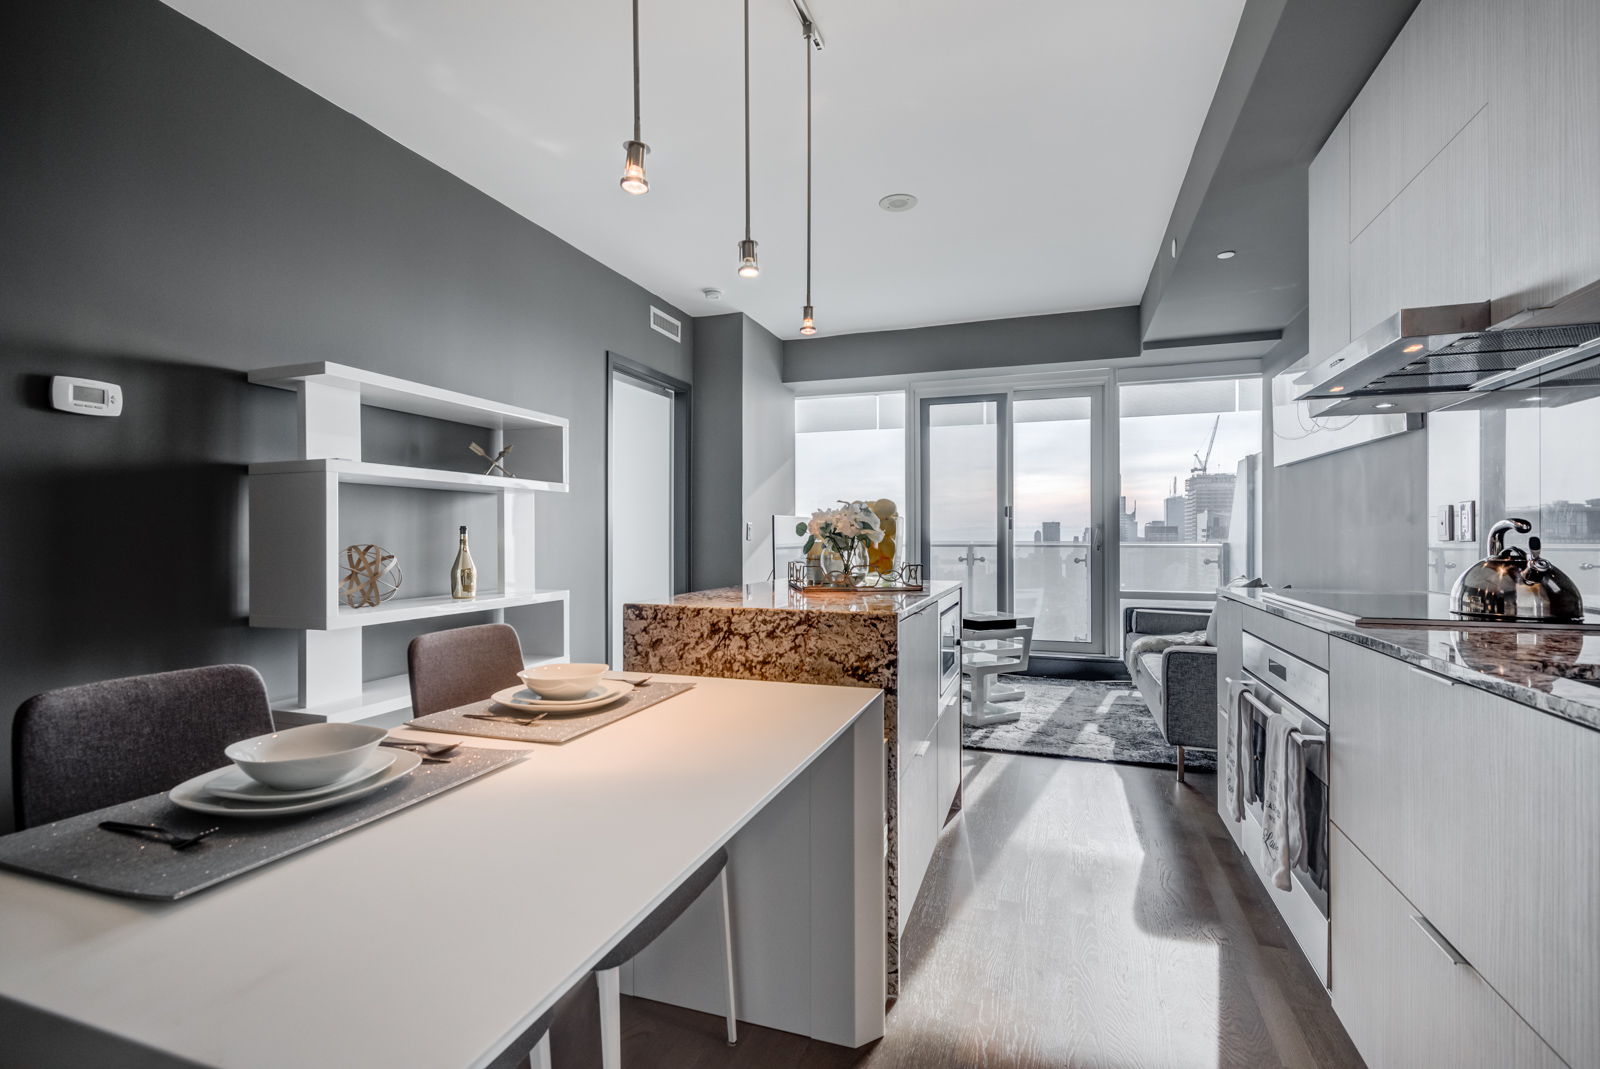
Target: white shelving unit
x,y
295,545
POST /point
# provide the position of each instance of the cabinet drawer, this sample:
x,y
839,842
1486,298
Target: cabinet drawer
x,y
1403,1000
1304,642
1484,814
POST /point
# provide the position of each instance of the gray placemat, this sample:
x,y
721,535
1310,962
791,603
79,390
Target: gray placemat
x,y
79,852
552,729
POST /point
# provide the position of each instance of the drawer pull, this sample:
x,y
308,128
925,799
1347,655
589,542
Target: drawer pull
x,y
922,748
1434,676
1439,940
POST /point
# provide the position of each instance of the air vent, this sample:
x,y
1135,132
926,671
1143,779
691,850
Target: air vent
x,y
660,321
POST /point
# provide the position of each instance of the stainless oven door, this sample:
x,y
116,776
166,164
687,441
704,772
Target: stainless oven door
x,y
1260,702
949,645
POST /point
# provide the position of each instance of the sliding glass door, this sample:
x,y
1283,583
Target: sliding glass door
x,y
1057,542
1011,506
964,511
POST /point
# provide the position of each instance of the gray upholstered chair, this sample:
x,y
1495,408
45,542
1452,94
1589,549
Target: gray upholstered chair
x,y
83,748
462,666
531,1049
607,970
1179,683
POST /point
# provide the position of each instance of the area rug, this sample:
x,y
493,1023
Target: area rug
x,y
1089,720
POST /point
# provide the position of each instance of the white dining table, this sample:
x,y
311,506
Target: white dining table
x,y
433,937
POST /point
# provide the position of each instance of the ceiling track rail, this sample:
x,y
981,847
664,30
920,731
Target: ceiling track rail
x,y
808,25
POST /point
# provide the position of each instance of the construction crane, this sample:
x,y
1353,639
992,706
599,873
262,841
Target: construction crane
x,y
1200,465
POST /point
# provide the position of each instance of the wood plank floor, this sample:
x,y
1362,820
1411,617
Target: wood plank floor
x,y
1077,914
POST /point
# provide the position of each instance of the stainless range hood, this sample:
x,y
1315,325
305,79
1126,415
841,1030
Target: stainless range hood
x,y
1450,356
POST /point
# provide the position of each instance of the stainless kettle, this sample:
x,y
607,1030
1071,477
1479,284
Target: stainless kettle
x,y
1516,585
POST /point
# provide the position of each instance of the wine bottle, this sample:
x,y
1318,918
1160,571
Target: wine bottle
x,y
463,573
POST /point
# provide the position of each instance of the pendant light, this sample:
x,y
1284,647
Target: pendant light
x,y
807,322
633,179
748,267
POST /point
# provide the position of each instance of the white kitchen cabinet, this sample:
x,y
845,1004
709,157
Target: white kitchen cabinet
x,y
929,748
1405,1001
947,752
1484,813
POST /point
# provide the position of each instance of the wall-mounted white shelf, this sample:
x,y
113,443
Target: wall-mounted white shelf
x,y
356,471
398,609
384,391
295,543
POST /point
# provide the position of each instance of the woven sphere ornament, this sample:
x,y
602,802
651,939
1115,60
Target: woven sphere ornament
x,y
370,575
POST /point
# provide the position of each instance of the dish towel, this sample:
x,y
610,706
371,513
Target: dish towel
x,y
1282,809
1236,758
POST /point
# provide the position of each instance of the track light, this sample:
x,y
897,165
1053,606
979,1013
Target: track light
x,y
808,323
748,267
633,178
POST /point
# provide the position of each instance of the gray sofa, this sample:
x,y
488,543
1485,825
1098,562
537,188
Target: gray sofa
x,y
1179,683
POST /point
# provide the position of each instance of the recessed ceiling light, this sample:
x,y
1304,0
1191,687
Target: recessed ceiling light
x,y
898,202
1226,254
712,293
1384,404
1412,348
1335,389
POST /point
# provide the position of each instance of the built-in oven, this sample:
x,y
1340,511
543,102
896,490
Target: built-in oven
x,y
949,645
1277,683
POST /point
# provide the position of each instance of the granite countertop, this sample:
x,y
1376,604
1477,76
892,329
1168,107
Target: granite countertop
x,y
1557,672
778,596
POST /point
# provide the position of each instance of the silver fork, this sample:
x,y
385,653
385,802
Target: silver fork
x,y
155,832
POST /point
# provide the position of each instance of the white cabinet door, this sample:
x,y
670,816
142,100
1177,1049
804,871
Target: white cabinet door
x,y
1401,997
947,756
918,675
1485,814
919,827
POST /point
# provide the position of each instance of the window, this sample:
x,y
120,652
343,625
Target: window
x,y
850,448
1190,472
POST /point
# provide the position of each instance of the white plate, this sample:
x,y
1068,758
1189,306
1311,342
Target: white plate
x,y
237,785
191,794
523,699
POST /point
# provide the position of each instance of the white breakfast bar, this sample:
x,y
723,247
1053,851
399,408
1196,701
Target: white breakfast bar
x,y
434,937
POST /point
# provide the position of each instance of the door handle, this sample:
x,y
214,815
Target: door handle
x,y
1439,940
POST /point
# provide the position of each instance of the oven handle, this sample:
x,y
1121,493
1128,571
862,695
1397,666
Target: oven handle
x,y
1308,728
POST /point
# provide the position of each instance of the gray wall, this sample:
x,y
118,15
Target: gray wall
x,y
743,450
1102,334
767,481
172,213
716,476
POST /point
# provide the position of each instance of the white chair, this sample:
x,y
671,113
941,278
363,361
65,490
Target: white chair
x,y
984,655
998,693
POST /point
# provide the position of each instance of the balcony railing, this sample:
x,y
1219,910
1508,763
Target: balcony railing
x,y
1174,567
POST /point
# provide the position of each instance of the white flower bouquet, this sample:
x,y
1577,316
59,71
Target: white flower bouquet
x,y
843,531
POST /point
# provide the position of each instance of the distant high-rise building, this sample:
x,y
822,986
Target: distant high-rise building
x,y
1212,494
1162,532
1052,530
1128,522
1174,511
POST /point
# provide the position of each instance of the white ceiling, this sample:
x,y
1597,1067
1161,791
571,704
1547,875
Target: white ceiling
x,y
1045,139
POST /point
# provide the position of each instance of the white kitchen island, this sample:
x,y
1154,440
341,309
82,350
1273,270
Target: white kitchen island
x,y
434,937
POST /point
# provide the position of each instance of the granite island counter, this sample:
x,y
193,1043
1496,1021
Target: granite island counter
x,y
901,644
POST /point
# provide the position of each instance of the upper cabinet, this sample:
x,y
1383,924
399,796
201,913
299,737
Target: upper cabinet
x,y
1464,171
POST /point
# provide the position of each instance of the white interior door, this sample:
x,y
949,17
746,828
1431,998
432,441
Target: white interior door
x,y
640,499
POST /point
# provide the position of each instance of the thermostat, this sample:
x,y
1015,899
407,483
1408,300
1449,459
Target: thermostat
x,y
86,396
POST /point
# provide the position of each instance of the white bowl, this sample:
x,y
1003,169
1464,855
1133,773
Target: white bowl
x,y
305,757
563,681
